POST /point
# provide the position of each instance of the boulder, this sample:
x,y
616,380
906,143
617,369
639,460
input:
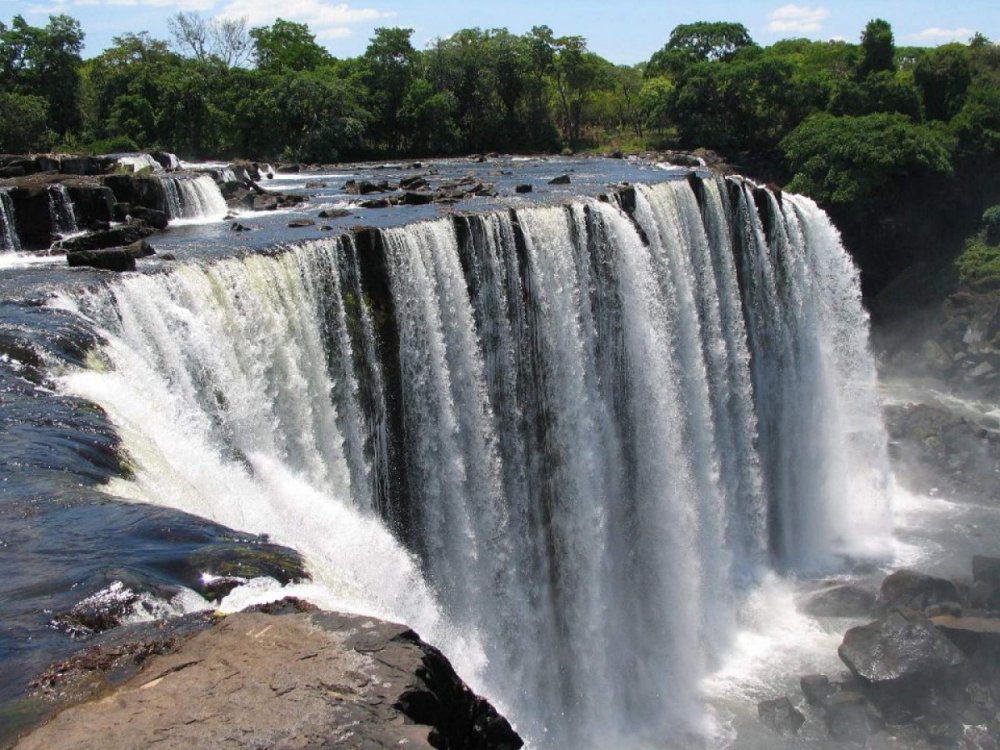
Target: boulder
x,y
92,203
413,183
334,213
300,223
315,184
413,198
86,165
238,227
376,203
977,637
167,160
284,675
908,588
847,600
140,249
116,237
288,169
816,688
562,179
154,217
108,259
524,188
47,164
32,216
850,717
904,663
780,715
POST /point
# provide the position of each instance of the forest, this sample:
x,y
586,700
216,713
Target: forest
x,y
866,129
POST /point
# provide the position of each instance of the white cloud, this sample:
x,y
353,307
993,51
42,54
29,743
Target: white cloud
x,y
334,32
797,18
936,34
324,18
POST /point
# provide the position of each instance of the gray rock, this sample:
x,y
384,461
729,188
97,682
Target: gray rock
x,y
780,715
300,223
851,718
898,646
106,259
334,213
525,188
908,588
562,179
986,569
816,688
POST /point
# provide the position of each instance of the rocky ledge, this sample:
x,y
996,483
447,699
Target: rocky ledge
x,y
279,675
924,673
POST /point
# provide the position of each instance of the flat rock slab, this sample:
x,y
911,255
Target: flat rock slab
x,y
313,680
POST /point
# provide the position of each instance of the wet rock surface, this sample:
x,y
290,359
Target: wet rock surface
x,y
284,675
919,678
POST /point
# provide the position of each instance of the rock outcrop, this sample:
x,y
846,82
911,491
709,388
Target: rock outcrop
x,y
285,675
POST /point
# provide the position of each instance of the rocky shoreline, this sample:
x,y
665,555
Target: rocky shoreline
x,y
924,673
276,675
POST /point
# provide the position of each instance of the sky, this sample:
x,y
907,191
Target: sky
x,y
623,32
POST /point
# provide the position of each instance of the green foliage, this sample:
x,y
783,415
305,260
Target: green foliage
x,y
120,144
878,49
286,46
979,263
23,123
991,224
849,160
943,76
704,41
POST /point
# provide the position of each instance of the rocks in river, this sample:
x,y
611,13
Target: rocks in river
x,y
315,184
562,179
816,688
115,237
301,223
334,213
521,189
850,717
154,217
413,183
908,588
285,675
239,227
376,203
846,600
780,715
414,198
106,259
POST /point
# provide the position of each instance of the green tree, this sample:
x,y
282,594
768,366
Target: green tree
x,y
23,123
691,43
390,65
943,76
851,160
878,48
286,46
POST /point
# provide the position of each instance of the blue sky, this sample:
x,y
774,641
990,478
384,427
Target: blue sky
x,y
624,32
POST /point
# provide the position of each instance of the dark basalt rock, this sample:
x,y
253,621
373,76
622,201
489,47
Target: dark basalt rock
x,y
92,203
117,237
301,223
846,600
334,213
780,715
376,203
562,179
986,570
816,688
851,718
977,637
106,259
523,188
86,165
908,588
412,198
154,217
413,183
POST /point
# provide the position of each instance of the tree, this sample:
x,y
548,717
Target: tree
x,y
878,48
857,160
23,123
225,39
286,46
390,64
943,76
690,43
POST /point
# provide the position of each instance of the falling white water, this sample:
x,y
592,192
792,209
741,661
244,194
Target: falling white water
x,y
9,241
137,162
61,212
193,200
595,430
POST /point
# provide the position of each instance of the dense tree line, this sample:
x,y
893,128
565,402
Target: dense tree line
x,y
860,127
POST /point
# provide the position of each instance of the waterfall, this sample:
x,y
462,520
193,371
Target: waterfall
x,y
137,162
226,174
590,431
9,240
61,213
194,198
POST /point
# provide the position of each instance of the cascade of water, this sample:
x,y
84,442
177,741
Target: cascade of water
x,y
227,175
605,422
9,240
195,198
61,212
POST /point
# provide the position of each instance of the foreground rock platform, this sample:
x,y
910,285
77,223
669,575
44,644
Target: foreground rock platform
x,y
284,677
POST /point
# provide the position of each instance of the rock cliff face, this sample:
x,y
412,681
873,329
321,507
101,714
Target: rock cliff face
x,y
284,675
